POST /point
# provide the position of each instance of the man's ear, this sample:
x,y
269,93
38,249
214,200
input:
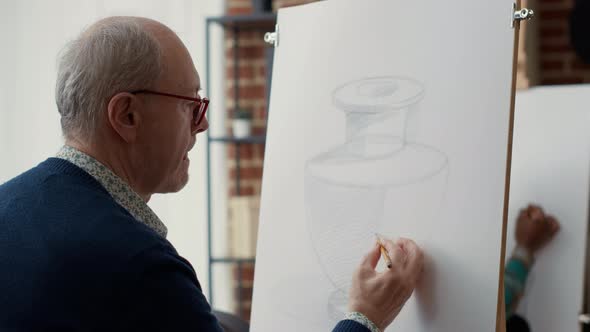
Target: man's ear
x,y
123,115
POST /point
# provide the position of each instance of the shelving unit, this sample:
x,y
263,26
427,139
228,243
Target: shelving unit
x,y
228,139
236,23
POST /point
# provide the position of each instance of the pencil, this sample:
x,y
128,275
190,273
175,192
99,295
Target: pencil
x,y
384,252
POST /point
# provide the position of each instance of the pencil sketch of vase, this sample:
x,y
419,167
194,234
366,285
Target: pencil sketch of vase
x,y
374,178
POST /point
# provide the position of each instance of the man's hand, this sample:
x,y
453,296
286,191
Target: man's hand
x,y
534,229
381,295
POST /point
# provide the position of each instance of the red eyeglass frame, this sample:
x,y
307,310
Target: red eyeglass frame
x,y
202,103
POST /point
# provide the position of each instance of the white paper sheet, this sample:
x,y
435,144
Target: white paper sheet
x,y
551,167
392,117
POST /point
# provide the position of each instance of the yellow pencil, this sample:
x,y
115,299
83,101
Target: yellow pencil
x,y
384,252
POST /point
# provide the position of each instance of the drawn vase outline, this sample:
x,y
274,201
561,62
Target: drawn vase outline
x,y
375,174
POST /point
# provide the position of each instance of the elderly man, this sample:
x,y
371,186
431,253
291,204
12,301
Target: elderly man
x,y
81,250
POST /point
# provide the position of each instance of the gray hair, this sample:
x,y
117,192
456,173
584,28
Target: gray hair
x,y
114,55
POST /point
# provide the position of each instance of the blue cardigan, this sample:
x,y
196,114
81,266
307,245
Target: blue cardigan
x,y
72,259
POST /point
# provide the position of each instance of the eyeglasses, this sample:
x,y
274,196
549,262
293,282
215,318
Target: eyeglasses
x,y
198,112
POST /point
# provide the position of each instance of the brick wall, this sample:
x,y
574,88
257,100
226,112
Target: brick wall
x,y
252,89
558,63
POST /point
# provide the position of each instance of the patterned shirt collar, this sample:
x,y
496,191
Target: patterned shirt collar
x,y
117,188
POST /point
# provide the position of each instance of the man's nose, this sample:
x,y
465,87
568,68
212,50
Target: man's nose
x,y
201,127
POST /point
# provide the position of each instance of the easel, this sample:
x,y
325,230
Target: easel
x,y
519,15
286,114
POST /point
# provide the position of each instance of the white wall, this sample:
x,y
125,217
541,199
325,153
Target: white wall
x,y
31,34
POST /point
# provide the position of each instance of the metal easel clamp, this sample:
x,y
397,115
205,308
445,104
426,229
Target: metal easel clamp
x,y
521,15
272,37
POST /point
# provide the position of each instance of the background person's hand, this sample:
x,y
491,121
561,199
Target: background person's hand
x,y
534,229
380,296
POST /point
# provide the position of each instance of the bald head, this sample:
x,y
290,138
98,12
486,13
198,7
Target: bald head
x,y
156,29
113,55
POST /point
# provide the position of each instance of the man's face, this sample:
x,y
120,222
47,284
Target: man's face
x,y
168,131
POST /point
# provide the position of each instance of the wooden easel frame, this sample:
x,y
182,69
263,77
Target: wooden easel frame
x,y
501,308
